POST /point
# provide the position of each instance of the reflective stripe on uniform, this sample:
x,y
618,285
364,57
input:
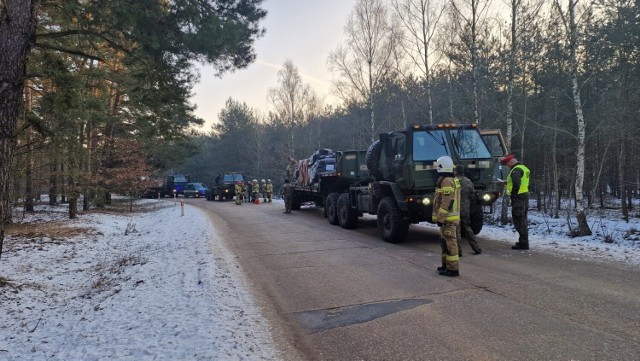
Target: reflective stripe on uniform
x,y
454,258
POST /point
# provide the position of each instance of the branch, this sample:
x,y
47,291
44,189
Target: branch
x,y
83,32
69,51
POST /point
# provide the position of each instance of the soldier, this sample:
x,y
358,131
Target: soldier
x,y
518,189
467,197
291,167
446,214
249,192
268,190
287,193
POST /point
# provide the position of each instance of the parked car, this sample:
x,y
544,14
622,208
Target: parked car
x,y
195,190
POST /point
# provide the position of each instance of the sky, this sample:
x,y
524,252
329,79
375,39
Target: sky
x,y
141,286
303,31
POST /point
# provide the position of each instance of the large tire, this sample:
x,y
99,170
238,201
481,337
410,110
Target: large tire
x,y
295,204
331,208
476,217
372,159
347,216
391,223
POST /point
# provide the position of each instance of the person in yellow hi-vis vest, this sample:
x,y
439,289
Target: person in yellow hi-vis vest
x,y
446,213
518,191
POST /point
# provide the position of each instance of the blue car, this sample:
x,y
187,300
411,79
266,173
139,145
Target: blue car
x,y
195,190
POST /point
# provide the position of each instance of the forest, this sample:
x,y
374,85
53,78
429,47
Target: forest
x,y
103,96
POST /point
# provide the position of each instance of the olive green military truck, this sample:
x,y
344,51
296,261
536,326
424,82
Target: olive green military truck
x,y
395,179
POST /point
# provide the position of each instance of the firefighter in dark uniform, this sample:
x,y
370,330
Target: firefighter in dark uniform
x,y
446,213
518,190
467,196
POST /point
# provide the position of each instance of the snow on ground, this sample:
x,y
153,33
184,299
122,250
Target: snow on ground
x,y
613,239
128,286
153,285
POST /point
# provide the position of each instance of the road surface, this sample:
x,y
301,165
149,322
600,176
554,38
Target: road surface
x,y
337,294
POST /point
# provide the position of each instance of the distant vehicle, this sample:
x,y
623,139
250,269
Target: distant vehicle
x,y
224,185
171,185
195,190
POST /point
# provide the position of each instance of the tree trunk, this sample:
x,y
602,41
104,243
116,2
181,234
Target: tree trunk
x,y
583,225
17,36
621,177
554,162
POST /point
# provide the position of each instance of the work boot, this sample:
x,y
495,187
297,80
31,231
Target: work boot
x,y
520,246
442,268
449,273
477,251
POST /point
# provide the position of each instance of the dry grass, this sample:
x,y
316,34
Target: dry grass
x,y
55,230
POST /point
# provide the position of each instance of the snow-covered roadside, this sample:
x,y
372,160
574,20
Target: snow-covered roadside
x,y
138,286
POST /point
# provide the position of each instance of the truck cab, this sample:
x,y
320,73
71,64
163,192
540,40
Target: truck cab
x,y
223,187
403,164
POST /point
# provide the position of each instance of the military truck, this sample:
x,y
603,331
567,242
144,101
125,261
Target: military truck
x,y
223,188
395,179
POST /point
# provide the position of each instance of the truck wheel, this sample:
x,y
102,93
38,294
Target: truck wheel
x,y
220,197
476,217
391,222
347,216
372,159
331,207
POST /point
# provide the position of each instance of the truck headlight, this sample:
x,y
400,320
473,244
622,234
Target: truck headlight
x,y
426,201
487,197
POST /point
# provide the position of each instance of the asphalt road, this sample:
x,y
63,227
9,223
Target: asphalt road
x,y
337,294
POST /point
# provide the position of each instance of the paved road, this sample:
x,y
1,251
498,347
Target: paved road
x,y
337,294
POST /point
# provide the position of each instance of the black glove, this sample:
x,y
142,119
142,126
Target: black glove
x,y
440,224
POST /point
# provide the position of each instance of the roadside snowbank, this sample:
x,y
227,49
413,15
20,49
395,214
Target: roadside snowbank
x,y
128,286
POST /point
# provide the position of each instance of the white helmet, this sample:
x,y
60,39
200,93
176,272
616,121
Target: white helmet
x,y
255,181
268,180
262,181
444,164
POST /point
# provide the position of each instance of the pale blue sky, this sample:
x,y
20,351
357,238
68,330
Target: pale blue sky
x,y
304,31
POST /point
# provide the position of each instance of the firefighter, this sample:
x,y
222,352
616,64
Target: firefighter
x,y
263,190
268,190
287,193
467,197
518,190
255,189
239,192
446,214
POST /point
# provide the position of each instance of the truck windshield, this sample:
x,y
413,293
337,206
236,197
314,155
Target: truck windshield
x,y
469,144
233,177
179,178
429,145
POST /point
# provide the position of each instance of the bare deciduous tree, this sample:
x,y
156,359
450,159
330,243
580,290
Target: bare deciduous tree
x,y
367,57
571,26
291,98
420,19
472,12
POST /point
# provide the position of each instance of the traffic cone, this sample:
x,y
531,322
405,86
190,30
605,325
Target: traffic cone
x,y
257,201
